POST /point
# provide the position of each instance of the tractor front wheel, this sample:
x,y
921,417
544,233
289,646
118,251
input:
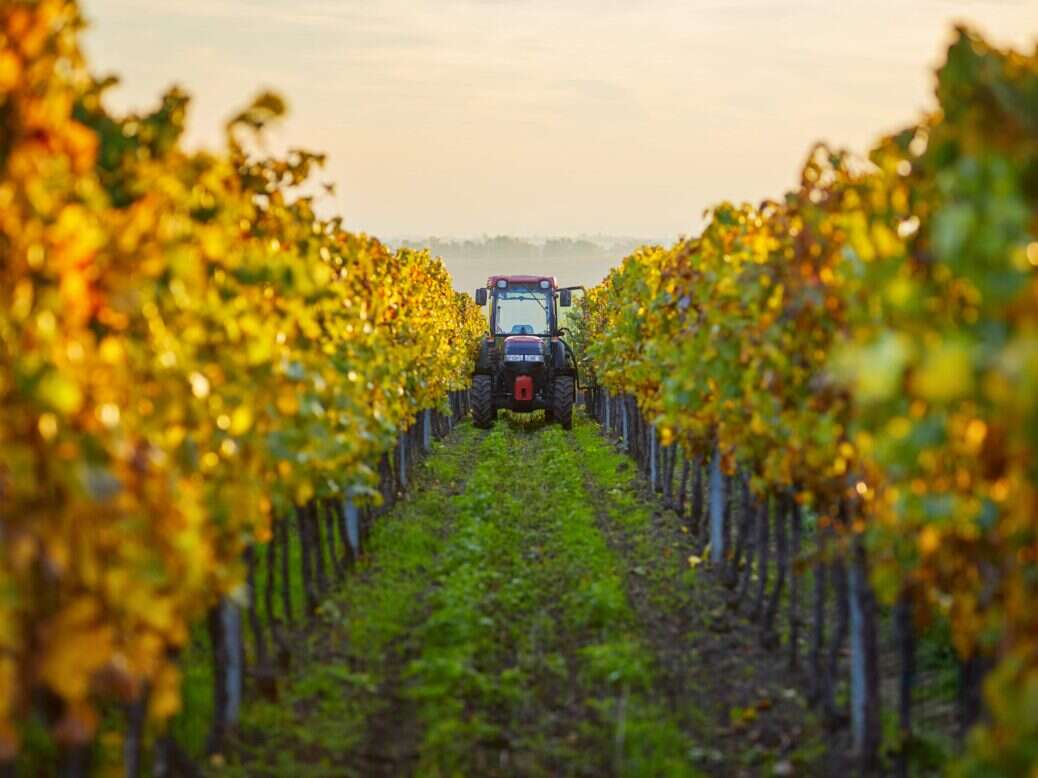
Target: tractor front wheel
x,y
481,395
562,401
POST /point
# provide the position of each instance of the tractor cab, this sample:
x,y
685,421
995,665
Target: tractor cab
x,y
524,364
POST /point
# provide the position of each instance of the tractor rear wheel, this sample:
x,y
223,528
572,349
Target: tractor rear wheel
x,y
481,395
562,401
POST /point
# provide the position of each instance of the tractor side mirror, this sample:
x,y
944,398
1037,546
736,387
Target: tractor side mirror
x,y
565,298
481,297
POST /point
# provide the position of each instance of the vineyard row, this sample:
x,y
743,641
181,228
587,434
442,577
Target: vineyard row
x,y
189,355
861,355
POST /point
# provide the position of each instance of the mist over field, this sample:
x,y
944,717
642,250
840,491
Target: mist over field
x,y
574,261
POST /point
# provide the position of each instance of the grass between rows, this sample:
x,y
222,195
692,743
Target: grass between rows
x,y
341,686
489,634
531,662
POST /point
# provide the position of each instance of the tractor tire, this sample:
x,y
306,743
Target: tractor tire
x,y
482,399
562,401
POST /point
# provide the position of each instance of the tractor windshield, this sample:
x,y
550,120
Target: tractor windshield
x,y
519,311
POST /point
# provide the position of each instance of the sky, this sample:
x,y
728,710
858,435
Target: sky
x,y
546,117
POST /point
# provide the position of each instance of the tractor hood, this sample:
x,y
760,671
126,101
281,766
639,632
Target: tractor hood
x,y
524,348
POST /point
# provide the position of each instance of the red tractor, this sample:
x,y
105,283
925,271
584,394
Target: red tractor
x,y
524,364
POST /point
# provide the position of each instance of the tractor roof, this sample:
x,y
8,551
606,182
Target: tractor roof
x,y
492,281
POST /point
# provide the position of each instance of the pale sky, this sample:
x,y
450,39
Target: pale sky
x,y
532,117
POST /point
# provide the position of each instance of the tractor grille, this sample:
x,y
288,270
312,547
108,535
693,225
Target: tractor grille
x,y
523,350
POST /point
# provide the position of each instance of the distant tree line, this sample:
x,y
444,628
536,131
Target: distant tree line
x,y
508,247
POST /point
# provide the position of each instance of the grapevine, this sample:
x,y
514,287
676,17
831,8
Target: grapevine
x,y
868,341
186,351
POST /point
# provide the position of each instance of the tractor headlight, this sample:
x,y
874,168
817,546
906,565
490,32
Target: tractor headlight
x,y
502,283
545,284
